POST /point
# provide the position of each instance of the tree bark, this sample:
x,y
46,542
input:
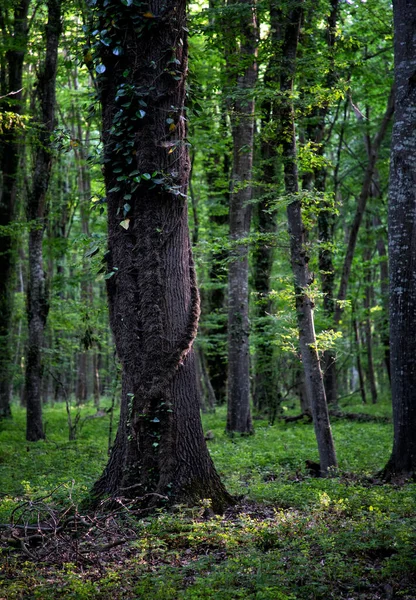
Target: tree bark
x,y
242,118
10,151
299,258
37,210
159,453
402,244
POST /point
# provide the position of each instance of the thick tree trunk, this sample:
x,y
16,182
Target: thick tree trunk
x,y
37,298
402,244
159,454
10,150
299,258
239,416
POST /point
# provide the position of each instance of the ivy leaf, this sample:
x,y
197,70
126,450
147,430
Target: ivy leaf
x,y
118,51
141,113
92,252
126,208
146,176
100,69
125,224
109,275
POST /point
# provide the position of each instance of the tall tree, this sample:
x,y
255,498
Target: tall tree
x,y
242,122
14,34
160,451
37,209
402,243
264,385
298,250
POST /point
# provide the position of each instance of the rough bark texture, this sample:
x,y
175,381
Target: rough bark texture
x,y
10,150
299,258
402,243
37,295
159,453
239,416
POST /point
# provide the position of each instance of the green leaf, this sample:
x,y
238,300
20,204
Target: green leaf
x,y
146,176
109,275
100,68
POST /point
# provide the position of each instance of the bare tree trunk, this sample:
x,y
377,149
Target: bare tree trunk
x,y
10,151
302,278
384,291
159,455
359,365
238,415
37,210
361,204
96,379
367,325
265,392
402,244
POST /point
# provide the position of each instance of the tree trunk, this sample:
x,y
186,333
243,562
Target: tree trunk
x,y
299,258
367,323
242,118
10,150
359,365
384,291
402,244
361,204
265,393
37,210
159,454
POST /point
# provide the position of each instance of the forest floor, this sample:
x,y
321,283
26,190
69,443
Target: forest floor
x,y
292,536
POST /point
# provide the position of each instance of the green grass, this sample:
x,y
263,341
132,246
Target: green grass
x,y
295,537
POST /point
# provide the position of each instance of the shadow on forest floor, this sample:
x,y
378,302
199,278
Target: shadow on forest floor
x,y
290,537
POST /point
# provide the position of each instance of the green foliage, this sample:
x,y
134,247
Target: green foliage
x,y
297,537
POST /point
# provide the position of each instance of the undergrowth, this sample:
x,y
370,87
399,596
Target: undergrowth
x,y
290,537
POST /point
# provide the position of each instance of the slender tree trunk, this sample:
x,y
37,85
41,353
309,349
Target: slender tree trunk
x,y
359,364
361,204
384,291
159,454
10,151
302,277
96,379
402,244
265,391
367,324
37,297
239,416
